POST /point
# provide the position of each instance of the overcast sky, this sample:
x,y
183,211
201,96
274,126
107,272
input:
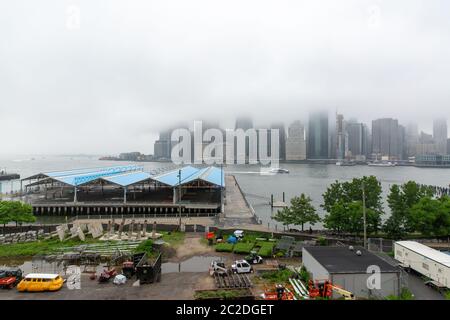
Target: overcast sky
x,y
104,76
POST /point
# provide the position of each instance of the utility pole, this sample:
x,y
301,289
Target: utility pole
x,y
179,199
221,187
364,214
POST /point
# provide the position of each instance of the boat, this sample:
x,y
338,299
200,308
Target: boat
x,y
279,170
381,164
346,163
4,176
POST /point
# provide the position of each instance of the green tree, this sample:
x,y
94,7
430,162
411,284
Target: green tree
x,y
16,211
302,211
400,200
284,216
343,203
432,216
4,213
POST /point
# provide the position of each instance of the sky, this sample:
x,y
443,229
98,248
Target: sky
x,y
105,76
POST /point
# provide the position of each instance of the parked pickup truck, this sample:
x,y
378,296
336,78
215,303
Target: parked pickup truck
x,y
10,277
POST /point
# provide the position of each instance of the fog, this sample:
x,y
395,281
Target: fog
x,y
104,76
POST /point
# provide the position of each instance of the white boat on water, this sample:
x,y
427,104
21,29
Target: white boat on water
x,y
278,170
382,164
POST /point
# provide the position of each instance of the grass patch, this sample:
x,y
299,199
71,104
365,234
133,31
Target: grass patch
x,y
221,294
40,247
174,238
279,276
405,294
224,247
145,246
243,247
266,249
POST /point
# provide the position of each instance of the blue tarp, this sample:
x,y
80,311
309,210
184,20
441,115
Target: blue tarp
x,y
232,239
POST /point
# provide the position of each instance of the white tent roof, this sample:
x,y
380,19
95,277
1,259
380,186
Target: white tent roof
x,y
426,251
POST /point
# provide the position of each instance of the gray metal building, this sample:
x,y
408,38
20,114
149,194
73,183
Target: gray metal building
x,y
344,268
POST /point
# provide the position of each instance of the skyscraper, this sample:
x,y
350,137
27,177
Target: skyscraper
x,y
282,139
357,140
340,137
243,123
412,139
440,135
295,143
318,135
386,139
162,146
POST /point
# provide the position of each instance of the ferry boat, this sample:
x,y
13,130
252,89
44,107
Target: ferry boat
x,y
4,176
279,170
345,163
381,164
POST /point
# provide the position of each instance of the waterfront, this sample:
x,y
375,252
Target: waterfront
x,y
311,179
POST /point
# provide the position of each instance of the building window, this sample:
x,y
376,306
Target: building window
x,y
425,266
399,253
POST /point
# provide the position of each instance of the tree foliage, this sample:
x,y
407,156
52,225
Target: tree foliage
x,y
431,216
343,202
300,211
15,211
400,200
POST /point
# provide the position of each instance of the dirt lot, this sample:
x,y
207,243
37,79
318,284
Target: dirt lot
x,y
183,273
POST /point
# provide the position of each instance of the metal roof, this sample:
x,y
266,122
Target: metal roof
x,y
131,174
426,251
128,178
212,175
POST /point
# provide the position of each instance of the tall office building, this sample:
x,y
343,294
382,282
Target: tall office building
x,y
426,144
440,135
163,146
386,139
357,140
295,143
412,139
341,137
282,139
243,123
317,147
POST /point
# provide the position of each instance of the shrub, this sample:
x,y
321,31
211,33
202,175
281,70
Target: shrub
x,y
243,248
224,247
405,294
279,276
322,241
145,246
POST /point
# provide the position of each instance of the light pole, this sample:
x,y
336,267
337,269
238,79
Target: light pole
x,y
179,199
364,214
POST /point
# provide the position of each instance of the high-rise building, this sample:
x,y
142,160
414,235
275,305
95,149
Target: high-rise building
x,y
426,145
317,147
243,123
357,140
412,139
282,139
162,146
295,143
341,137
386,139
440,135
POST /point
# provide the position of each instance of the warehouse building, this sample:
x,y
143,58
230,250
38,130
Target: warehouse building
x,y
353,269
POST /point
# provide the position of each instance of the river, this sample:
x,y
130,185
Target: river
x,y
311,179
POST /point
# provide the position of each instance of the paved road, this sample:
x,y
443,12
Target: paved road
x,y
420,290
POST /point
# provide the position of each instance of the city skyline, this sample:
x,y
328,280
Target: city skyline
x,y
98,89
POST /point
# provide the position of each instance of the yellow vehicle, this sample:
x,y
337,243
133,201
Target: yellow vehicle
x,y
35,282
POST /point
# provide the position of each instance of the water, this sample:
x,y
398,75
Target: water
x,y
311,179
